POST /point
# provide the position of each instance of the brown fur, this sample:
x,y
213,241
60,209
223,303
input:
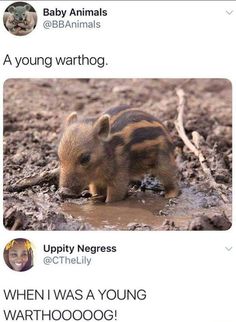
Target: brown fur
x,y
107,153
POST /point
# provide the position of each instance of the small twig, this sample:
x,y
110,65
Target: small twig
x,y
179,122
197,139
17,223
38,179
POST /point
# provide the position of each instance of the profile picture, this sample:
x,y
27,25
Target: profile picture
x,y
18,254
20,18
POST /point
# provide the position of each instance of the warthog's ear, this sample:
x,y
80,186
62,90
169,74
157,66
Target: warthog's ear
x,y
27,7
72,118
102,127
11,9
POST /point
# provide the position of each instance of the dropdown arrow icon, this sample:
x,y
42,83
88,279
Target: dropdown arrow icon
x,y
228,248
229,12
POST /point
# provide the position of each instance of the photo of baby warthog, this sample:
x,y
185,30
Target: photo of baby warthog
x,y
117,154
107,153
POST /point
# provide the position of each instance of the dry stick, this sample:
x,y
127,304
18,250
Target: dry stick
x,y
38,179
17,223
196,150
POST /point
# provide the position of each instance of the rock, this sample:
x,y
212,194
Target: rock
x,y
203,222
121,89
18,158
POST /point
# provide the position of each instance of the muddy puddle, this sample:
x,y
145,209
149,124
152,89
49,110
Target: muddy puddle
x,y
192,210
141,210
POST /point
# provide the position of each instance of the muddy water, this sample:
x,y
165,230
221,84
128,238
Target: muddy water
x,y
141,209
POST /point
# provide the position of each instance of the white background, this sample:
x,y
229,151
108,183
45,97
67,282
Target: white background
x,y
189,276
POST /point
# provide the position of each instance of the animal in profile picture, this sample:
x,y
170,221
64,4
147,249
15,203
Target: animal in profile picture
x,y
19,20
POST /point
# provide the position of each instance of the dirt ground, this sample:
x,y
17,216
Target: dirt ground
x,y
34,111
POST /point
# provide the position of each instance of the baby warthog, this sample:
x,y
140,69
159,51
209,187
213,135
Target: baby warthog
x,y
106,153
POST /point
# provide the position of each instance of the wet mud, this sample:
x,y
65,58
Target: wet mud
x,y
148,211
135,214
34,111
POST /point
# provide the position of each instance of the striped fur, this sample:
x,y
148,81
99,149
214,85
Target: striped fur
x,y
126,144
142,134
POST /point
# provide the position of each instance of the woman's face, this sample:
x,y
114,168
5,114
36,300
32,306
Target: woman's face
x,y
18,256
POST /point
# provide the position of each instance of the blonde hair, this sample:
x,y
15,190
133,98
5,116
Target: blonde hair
x,y
28,247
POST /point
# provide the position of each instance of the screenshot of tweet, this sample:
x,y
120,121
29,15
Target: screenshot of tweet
x,y
117,161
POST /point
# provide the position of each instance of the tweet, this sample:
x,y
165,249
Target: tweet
x,y
117,199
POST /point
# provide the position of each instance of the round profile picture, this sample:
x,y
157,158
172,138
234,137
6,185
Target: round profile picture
x,y
18,254
20,18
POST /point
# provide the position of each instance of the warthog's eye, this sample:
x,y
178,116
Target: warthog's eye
x,y
84,158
